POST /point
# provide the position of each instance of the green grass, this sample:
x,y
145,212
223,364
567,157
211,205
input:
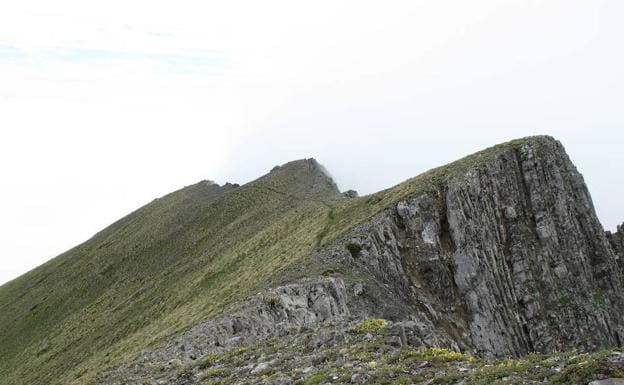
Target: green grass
x,y
437,355
174,262
369,326
316,378
180,259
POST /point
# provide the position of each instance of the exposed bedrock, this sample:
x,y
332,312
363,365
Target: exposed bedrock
x,y
508,258
617,243
275,312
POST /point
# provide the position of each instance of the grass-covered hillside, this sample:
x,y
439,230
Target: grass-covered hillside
x,y
180,259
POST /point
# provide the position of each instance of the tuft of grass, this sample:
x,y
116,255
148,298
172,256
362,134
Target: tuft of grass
x,y
212,372
186,372
209,360
316,378
437,355
273,301
585,368
369,326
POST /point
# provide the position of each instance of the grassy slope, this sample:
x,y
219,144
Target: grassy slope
x,y
180,259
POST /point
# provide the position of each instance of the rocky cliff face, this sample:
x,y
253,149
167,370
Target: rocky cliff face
x,y
503,259
509,257
617,244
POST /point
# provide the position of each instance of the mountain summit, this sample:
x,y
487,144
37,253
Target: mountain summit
x,y
286,280
305,177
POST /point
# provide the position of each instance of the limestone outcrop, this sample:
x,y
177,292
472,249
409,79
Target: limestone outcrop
x,y
509,257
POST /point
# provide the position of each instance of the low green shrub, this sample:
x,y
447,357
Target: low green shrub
x,y
369,326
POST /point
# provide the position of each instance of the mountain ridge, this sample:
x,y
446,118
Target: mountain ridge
x,y
197,252
167,217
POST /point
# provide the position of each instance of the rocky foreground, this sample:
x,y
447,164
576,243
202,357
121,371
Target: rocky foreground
x,y
372,352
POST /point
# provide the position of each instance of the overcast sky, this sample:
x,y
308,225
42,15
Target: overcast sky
x,y
106,105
